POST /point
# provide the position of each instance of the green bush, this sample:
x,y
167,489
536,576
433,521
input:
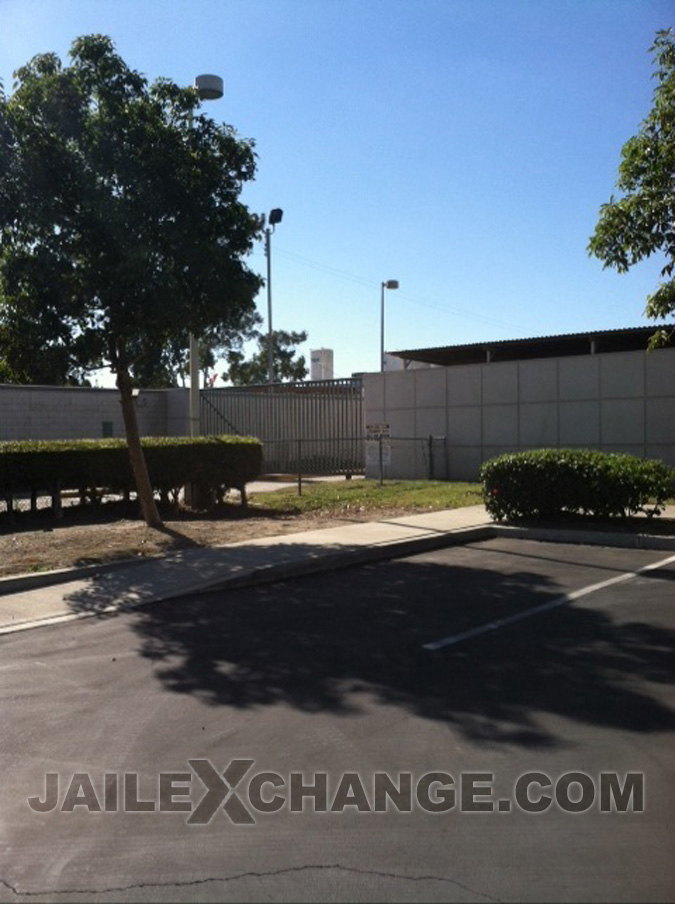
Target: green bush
x,y
549,482
211,462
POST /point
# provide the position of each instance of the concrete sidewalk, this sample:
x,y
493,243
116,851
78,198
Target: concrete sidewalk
x,y
34,600
49,598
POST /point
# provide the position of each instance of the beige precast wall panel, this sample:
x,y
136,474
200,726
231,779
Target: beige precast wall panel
x,y
500,384
431,422
622,375
463,385
579,378
538,424
660,414
622,401
538,381
622,422
399,389
580,423
660,374
500,425
430,388
464,425
376,392
401,421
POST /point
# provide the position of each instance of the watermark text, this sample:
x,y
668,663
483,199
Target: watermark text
x,y
242,793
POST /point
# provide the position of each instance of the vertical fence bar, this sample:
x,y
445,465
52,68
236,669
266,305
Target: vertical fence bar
x,y
299,467
326,414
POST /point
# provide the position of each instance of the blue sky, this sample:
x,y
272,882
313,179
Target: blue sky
x,y
462,147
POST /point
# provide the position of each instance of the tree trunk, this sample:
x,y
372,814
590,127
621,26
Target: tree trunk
x,y
138,464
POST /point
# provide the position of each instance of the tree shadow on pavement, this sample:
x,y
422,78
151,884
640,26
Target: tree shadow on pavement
x,y
334,642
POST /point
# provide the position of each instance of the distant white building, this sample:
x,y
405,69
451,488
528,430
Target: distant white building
x,y
393,363
321,364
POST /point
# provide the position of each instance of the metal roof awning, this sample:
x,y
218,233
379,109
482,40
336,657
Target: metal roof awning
x,y
595,342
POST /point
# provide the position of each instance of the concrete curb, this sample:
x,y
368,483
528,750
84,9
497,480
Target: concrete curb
x,y
26,582
346,558
585,537
34,581
21,583
331,560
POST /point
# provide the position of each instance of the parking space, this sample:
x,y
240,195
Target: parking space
x,y
617,570
337,674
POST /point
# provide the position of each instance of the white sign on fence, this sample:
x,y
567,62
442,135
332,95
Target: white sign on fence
x,y
377,434
373,453
375,431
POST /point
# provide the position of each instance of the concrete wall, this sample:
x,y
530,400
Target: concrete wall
x,y
619,402
177,412
47,412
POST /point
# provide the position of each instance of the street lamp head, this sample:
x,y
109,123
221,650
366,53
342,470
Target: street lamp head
x,y
276,216
209,87
391,284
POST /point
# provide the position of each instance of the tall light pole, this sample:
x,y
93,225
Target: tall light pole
x,y
387,284
208,87
274,218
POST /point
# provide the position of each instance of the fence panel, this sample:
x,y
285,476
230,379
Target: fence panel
x,y
407,458
314,426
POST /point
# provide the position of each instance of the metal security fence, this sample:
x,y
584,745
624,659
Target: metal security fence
x,y
315,426
407,458
45,500
315,456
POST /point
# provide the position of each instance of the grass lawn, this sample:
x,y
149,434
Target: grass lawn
x,y
368,496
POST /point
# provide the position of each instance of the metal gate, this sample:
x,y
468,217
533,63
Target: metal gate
x,y
313,427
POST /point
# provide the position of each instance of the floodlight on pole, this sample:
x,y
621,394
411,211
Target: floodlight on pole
x,y
275,217
208,87
387,284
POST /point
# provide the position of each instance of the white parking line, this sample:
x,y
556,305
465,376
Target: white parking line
x,y
544,607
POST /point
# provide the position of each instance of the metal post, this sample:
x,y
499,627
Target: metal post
x,y
431,457
270,351
194,386
208,87
299,467
57,502
194,363
381,465
382,330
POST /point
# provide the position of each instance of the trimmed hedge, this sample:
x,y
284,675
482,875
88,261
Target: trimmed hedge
x,y
549,482
210,462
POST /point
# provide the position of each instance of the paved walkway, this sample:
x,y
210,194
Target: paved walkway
x,y
40,599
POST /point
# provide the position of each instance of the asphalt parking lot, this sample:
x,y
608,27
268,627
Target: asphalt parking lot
x,y
492,661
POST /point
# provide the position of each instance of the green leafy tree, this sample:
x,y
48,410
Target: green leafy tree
x,y
242,372
642,222
30,356
218,346
121,225
168,366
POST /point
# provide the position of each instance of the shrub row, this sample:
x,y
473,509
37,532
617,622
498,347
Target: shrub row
x,y
548,482
211,462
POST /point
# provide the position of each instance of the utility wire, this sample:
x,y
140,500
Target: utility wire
x,y
402,294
